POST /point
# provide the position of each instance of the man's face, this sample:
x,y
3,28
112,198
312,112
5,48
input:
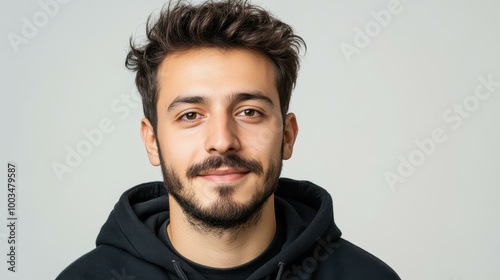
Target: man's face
x,y
220,133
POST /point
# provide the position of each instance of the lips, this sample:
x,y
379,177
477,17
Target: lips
x,y
223,174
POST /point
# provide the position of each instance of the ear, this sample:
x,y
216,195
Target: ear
x,y
289,135
149,139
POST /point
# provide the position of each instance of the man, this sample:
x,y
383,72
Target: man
x,y
216,81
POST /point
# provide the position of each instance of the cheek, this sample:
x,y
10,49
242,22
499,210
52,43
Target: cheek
x,y
266,138
178,149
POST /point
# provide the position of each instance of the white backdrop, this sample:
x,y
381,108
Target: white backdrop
x,y
398,107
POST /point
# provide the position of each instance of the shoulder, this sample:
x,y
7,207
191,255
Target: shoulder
x,y
355,263
106,262
339,259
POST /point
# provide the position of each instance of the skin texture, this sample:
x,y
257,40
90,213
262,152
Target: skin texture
x,y
215,105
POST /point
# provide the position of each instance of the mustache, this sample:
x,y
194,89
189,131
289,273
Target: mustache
x,y
231,161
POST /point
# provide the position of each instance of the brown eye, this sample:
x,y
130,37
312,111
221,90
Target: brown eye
x,y
190,116
249,112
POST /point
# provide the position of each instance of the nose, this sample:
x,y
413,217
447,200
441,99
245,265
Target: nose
x,y
222,135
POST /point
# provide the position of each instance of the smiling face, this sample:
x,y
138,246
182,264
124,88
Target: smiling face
x,y
220,134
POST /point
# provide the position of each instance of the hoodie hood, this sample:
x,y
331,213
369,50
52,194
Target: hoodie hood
x,y
306,210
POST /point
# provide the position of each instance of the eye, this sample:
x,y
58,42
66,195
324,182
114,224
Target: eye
x,y
250,113
190,116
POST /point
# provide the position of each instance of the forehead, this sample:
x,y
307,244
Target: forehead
x,y
215,72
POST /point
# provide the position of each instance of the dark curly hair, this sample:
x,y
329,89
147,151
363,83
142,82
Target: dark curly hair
x,y
226,24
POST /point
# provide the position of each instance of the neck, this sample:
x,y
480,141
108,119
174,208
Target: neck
x,y
221,248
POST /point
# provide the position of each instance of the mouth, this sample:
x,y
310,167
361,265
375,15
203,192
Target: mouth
x,y
223,174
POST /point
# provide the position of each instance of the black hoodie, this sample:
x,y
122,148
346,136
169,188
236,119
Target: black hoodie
x,y
130,245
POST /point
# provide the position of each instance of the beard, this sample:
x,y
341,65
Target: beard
x,y
225,213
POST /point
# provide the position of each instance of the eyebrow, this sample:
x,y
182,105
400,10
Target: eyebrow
x,y
255,95
198,99
233,98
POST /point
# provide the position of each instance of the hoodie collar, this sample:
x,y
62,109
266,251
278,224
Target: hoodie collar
x,y
133,223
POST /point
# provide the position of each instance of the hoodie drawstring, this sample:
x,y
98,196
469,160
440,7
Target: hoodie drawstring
x,y
179,270
280,270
